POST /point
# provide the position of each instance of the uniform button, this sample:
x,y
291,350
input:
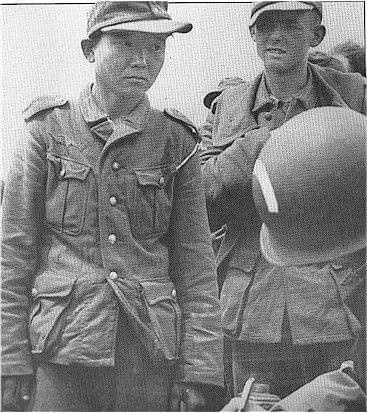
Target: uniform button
x,y
268,116
161,181
113,275
34,292
62,172
115,166
113,200
174,293
112,238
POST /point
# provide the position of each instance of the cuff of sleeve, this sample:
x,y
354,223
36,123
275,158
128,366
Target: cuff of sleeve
x,y
205,376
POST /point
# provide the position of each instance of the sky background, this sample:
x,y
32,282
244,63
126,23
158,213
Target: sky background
x,y
41,54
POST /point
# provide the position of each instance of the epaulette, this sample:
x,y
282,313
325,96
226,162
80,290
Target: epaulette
x,y
184,121
222,85
42,103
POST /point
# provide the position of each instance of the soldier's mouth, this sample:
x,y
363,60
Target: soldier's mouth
x,y
140,78
275,50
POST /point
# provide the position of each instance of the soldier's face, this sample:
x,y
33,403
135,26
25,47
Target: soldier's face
x,y
129,62
283,38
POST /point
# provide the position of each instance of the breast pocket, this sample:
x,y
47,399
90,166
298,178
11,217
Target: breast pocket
x,y
67,195
150,209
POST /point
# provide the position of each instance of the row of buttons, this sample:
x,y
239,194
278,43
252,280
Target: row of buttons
x,y
112,237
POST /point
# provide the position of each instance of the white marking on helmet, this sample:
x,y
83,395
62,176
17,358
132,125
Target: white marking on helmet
x,y
266,187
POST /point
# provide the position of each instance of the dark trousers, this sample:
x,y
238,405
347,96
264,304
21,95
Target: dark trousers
x,y
134,384
284,374
284,366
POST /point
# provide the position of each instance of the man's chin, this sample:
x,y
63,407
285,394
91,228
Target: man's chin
x,y
276,65
133,88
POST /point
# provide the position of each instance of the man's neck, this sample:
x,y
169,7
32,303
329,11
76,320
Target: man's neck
x,y
115,105
284,85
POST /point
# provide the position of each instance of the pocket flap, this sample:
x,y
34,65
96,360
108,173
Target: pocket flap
x,y
74,170
52,285
67,168
154,178
155,291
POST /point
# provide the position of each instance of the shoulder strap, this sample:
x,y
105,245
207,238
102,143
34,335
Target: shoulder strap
x,y
42,103
177,116
210,98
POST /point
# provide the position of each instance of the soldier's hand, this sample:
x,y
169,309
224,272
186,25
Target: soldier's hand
x,y
16,392
193,397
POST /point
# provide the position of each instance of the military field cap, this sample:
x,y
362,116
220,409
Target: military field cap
x,y
141,16
260,7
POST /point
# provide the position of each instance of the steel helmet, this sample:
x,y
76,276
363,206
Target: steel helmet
x,y
309,187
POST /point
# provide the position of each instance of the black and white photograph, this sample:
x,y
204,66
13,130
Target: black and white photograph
x,y
183,206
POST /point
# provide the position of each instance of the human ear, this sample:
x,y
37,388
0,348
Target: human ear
x,y
87,47
318,35
253,33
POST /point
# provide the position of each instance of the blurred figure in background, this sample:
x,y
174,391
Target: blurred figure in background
x,y
352,55
325,60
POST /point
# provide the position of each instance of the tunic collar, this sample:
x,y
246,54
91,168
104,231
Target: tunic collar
x,y
306,96
99,122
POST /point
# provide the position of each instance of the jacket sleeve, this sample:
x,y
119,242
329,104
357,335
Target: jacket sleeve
x,y
192,270
364,104
227,174
22,225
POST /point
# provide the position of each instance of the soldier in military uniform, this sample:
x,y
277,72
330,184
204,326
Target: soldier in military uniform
x,y
110,300
283,326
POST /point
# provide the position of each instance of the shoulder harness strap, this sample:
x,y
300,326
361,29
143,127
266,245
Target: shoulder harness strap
x,y
184,121
42,103
177,116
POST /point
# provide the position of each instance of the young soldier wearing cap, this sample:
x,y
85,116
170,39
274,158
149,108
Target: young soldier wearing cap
x,y
285,326
108,279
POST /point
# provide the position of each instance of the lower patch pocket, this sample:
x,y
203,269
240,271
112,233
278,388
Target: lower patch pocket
x,y
47,317
165,316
